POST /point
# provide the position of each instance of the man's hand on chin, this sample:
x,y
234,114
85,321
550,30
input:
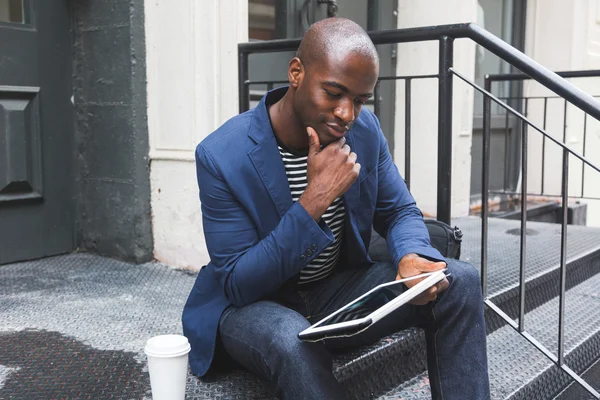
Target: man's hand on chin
x,y
411,265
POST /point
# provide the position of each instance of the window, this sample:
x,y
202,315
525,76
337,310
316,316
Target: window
x,y
261,19
12,11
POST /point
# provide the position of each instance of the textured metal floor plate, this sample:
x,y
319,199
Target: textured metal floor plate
x,y
543,248
520,371
75,326
91,316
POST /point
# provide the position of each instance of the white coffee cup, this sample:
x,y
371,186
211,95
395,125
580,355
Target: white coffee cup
x,y
167,364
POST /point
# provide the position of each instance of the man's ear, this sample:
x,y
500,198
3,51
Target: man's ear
x,y
295,72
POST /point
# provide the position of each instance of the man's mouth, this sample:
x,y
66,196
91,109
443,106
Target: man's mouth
x,y
340,130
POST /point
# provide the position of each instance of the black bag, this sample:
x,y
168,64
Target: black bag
x,y
444,238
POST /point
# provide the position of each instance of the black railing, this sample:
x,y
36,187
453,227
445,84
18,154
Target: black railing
x,y
445,35
527,102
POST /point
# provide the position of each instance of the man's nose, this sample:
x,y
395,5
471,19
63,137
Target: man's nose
x,y
345,112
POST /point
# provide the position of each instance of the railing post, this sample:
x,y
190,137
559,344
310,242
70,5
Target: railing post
x,y
444,200
523,248
243,89
485,182
563,257
407,133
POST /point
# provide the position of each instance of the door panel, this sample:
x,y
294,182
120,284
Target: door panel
x,y
36,131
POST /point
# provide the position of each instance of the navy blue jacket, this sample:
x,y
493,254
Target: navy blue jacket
x,y
258,238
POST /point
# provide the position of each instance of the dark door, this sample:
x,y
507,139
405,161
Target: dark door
x,y
36,130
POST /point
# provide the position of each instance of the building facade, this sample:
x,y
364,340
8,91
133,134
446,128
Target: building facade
x,y
126,90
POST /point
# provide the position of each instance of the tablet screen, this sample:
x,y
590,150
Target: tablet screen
x,y
367,304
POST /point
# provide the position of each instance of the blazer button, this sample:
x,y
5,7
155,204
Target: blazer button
x,y
303,258
309,252
314,247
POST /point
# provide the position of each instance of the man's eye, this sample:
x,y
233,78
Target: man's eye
x,y
360,102
333,95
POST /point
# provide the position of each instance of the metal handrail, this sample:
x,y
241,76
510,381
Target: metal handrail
x,y
511,77
471,31
445,35
524,119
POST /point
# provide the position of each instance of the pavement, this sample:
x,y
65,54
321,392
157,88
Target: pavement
x,y
74,326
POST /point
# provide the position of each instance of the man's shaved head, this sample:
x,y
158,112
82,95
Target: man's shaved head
x,y
335,38
332,76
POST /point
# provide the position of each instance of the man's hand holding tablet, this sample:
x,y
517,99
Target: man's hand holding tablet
x,y
372,306
411,265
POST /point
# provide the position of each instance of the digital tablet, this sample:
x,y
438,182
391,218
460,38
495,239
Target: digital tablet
x,y
369,308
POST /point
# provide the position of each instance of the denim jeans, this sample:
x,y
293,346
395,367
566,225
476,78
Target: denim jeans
x,y
263,336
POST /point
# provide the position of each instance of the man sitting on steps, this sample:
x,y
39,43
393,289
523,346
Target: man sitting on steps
x,y
289,193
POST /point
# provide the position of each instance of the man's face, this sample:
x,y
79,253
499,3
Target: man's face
x,y
330,93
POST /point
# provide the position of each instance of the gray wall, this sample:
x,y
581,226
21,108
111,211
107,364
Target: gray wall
x,y
111,129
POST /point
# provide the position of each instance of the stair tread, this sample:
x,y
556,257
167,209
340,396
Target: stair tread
x,y
542,250
503,260
513,362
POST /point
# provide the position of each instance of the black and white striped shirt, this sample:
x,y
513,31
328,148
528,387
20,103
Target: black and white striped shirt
x,y
322,265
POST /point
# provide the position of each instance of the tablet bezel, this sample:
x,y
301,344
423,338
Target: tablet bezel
x,y
350,328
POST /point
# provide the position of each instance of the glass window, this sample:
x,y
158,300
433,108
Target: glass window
x,y
261,19
12,11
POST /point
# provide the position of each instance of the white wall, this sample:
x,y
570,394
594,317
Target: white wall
x,y
192,89
421,59
563,36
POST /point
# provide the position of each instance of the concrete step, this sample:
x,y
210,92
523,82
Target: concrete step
x,y
519,371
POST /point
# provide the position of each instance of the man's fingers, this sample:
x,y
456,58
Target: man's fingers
x,y
430,294
314,144
428,266
442,285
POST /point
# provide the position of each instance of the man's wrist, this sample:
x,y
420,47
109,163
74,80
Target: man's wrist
x,y
314,204
407,256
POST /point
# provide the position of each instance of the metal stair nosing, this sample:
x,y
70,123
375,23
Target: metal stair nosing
x,y
384,365
542,287
539,289
549,380
553,380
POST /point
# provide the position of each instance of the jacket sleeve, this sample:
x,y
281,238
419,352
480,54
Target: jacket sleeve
x,y
247,267
397,217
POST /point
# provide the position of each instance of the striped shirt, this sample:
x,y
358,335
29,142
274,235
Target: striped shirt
x,y
322,265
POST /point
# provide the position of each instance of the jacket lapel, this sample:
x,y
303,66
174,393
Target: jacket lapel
x,y
266,159
356,248
352,195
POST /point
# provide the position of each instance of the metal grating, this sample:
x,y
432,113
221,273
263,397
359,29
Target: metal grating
x,y
104,310
517,369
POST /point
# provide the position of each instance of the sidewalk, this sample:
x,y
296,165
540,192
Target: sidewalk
x,y
75,326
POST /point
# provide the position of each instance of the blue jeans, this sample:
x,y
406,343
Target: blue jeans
x,y
263,336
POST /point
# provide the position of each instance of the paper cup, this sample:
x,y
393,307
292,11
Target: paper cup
x,y
167,364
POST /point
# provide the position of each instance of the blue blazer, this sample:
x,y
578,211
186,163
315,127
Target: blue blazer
x,y
258,238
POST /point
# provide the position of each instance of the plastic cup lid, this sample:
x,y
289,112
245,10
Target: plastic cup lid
x,y
167,346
